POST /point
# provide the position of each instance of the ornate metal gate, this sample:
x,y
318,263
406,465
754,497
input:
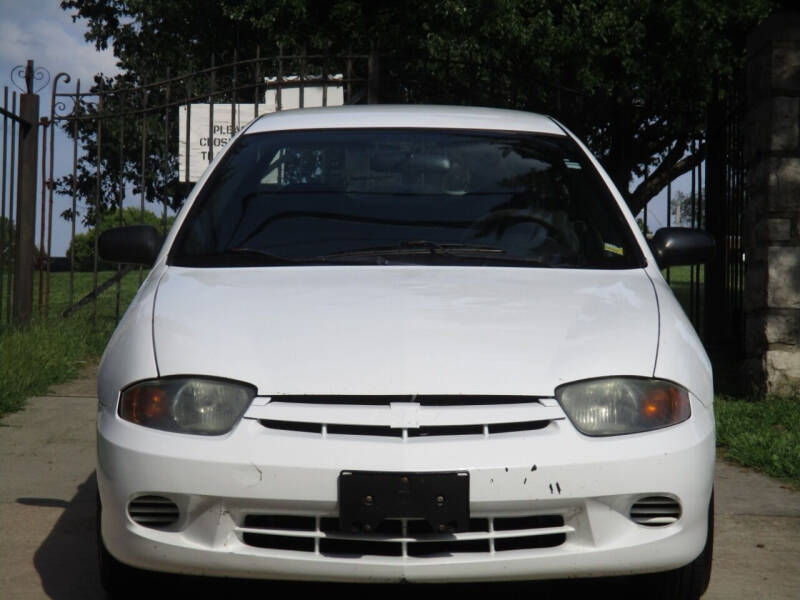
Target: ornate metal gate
x,y
125,156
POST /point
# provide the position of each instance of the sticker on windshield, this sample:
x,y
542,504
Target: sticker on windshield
x,y
571,164
613,249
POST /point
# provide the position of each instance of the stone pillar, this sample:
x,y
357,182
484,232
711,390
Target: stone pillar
x,y
772,217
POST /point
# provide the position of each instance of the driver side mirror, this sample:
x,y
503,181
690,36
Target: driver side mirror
x,y
135,244
676,246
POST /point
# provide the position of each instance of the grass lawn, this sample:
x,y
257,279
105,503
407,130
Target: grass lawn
x,y
53,350
761,434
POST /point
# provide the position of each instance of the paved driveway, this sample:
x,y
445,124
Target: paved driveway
x,y
47,532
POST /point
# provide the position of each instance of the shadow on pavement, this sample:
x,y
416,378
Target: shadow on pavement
x,y
66,562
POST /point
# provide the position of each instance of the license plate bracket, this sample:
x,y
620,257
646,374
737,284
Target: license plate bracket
x,y
366,498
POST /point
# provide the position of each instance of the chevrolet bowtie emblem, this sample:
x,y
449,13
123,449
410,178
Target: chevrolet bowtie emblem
x,y
404,415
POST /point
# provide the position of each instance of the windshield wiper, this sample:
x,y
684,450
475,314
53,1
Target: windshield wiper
x,y
268,258
420,247
248,256
457,250
262,256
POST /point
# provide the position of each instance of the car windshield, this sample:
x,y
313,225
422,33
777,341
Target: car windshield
x,y
404,196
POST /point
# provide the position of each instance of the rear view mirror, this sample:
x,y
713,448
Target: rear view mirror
x,y
676,246
135,244
402,162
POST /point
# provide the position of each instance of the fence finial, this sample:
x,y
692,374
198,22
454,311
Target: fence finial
x,y
29,76
23,78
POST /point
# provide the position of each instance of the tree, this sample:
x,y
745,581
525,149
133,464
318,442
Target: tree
x,y
633,77
683,206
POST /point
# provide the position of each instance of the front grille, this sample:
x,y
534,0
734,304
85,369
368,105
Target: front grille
x,y
406,417
386,431
655,511
427,400
402,537
153,511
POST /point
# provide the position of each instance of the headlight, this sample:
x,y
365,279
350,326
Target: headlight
x,y
186,405
619,405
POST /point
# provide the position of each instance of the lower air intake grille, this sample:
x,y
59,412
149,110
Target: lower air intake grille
x,y
655,511
402,537
153,511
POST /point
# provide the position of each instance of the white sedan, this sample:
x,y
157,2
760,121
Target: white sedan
x,y
406,344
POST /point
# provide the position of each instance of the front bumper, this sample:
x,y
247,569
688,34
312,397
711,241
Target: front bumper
x,y
590,482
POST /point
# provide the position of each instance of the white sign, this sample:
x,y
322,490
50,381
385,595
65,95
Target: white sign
x,y
206,140
312,94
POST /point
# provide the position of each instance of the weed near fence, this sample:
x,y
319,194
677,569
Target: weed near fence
x,y
762,434
53,350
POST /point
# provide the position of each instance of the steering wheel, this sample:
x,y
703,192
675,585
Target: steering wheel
x,y
501,220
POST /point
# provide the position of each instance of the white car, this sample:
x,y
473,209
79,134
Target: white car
x,y
406,344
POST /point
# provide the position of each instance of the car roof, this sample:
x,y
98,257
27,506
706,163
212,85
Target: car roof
x,y
405,116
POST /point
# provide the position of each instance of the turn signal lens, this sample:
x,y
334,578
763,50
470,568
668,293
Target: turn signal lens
x,y
620,405
144,404
186,405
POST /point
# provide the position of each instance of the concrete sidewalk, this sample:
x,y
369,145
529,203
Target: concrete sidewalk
x,y
47,495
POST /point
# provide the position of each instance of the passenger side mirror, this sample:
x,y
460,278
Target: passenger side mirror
x,y
676,246
135,244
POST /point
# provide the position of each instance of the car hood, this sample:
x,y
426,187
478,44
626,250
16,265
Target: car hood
x,y
405,329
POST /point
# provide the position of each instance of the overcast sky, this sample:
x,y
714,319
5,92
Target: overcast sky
x,y
42,31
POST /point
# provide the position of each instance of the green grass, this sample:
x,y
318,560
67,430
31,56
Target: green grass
x,y
53,350
680,282
764,435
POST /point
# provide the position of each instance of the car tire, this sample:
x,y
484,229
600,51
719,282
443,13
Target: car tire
x,y
689,582
118,579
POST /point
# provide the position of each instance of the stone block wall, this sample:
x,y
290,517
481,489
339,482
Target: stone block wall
x,y
772,216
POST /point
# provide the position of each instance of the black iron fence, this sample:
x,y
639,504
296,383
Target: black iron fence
x,y
727,202
11,124
713,196
131,150
18,186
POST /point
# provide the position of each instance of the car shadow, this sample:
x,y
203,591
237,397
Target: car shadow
x,y
67,564
66,559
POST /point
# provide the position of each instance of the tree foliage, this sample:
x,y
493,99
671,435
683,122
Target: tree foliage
x,y
633,77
